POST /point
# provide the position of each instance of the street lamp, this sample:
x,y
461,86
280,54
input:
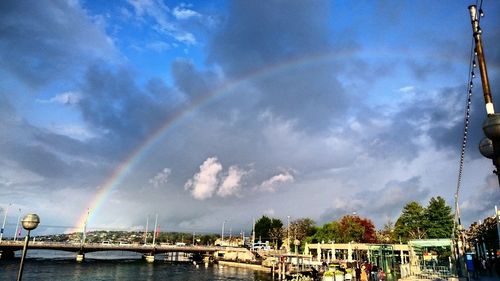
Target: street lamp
x,y
222,232
288,234
4,219
29,222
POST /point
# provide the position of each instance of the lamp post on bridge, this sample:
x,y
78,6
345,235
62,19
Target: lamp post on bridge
x,y
29,222
222,232
17,233
4,220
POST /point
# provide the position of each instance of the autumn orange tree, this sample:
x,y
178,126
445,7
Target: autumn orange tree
x,y
357,229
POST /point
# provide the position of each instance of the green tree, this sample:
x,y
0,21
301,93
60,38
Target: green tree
x,y
325,234
262,227
265,225
410,223
438,221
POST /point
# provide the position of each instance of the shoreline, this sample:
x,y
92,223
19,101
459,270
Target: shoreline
x,y
246,265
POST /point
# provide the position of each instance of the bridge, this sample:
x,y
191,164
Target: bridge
x,y
148,250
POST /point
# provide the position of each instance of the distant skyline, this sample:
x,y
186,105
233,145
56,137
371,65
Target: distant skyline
x,y
212,111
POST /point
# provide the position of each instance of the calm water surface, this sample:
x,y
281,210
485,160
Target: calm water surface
x,y
120,267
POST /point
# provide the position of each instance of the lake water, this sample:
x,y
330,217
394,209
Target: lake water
x,y
118,266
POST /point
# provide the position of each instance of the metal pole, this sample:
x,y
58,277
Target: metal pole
x,y
17,225
481,60
154,230
492,123
288,234
25,249
85,227
146,231
222,232
497,215
4,220
253,235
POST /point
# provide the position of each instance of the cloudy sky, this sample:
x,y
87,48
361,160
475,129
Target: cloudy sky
x,y
212,111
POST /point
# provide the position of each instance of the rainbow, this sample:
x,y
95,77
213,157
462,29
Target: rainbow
x,y
122,170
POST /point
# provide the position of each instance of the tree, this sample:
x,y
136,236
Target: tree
x,y
262,227
438,221
275,234
301,228
351,229
265,225
386,235
355,228
410,223
327,233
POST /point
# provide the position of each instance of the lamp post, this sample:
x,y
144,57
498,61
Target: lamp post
x,y
222,232
497,216
4,219
288,234
29,222
17,233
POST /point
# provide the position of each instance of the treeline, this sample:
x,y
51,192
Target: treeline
x,y
415,222
132,237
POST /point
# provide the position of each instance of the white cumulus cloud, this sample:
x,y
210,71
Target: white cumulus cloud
x,y
271,184
232,182
204,183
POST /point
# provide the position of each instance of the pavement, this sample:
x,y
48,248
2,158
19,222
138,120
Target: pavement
x,y
480,278
486,278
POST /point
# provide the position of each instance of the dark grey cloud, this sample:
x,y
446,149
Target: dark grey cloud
x,y
311,96
439,116
423,70
275,49
54,161
38,160
256,35
380,205
113,103
192,82
480,204
37,46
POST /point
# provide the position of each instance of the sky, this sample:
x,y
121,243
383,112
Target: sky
x,y
218,112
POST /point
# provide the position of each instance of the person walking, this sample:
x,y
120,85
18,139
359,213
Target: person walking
x,y
358,273
381,275
364,275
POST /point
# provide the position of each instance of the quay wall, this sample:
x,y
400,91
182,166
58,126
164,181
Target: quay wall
x,y
246,265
